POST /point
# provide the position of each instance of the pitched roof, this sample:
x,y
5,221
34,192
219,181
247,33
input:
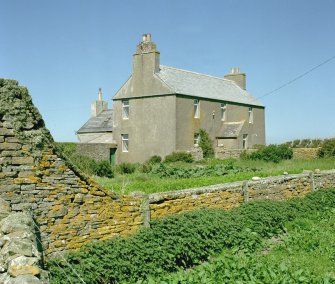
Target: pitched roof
x,y
230,129
103,122
201,85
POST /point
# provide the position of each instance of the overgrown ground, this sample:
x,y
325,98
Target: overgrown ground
x,y
305,253
258,242
240,170
171,176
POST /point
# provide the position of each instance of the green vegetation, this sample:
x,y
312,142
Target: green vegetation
x,y
85,164
147,177
327,149
271,153
304,253
304,143
206,144
259,242
179,157
155,176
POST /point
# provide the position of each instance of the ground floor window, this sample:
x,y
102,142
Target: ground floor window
x,y
196,139
245,141
125,142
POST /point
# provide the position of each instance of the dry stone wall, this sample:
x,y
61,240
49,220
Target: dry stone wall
x,y
305,153
231,195
70,209
20,259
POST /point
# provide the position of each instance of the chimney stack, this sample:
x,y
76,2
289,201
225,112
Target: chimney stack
x,y
237,77
98,106
145,59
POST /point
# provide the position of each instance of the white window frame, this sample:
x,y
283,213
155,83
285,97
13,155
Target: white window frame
x,y
245,141
196,140
223,111
125,142
251,115
196,108
125,109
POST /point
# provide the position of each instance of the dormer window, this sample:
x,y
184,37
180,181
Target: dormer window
x,y
223,111
125,109
196,108
251,115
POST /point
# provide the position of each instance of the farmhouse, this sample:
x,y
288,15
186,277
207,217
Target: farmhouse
x,y
161,109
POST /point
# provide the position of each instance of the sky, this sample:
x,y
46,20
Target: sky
x,y
63,51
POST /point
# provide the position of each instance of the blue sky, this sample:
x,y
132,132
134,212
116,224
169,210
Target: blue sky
x,y
64,50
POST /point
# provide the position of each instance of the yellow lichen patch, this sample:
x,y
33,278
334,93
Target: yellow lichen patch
x,y
62,168
27,180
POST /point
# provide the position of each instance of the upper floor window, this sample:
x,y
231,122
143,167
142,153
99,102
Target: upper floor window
x,y
125,109
251,115
196,139
223,111
125,142
196,108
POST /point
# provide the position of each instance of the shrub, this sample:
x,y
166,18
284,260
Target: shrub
x,y
179,157
154,159
315,143
327,148
273,153
103,169
126,168
184,240
206,144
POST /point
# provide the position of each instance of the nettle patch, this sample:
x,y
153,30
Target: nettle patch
x,y
176,172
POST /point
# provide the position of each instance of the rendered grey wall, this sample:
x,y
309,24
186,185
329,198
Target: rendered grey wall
x,y
187,125
151,128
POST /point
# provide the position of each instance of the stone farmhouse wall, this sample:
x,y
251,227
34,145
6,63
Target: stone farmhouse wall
x,y
96,151
70,210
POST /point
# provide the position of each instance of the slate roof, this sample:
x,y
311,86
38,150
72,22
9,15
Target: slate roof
x,y
230,129
205,86
100,123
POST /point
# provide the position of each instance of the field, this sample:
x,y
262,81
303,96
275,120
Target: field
x,y
163,176
259,242
239,170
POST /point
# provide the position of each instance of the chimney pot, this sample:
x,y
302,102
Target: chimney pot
x,y
100,95
146,38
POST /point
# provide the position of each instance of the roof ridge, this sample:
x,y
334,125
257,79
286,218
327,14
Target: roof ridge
x,y
193,72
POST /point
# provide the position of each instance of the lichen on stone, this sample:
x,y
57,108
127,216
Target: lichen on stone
x,y
16,106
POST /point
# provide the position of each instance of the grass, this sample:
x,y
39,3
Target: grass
x,y
304,254
151,183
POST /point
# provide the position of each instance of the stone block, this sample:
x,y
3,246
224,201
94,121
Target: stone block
x,y
22,160
10,146
26,279
23,265
6,131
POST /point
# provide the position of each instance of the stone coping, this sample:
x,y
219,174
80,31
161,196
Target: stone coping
x,y
231,186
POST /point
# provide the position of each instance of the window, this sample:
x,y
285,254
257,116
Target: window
x,y
125,109
196,108
251,115
223,111
196,139
125,142
245,141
